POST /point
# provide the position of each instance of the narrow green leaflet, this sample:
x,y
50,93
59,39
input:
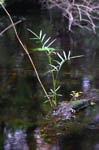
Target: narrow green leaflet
x,y
1,1
44,49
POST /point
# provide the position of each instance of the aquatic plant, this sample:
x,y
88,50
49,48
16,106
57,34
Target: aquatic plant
x,y
75,95
1,1
55,64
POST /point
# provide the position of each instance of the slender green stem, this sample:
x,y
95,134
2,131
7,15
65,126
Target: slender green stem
x,y
53,77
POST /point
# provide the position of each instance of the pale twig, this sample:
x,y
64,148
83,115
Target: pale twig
x,y
80,15
77,11
7,28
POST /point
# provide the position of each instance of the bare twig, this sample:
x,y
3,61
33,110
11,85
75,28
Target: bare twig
x,y
83,10
7,28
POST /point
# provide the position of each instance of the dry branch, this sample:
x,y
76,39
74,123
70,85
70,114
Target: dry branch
x,y
78,11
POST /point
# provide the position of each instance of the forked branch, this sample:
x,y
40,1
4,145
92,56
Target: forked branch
x,y
86,11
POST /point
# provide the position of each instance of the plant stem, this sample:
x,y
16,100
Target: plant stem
x,y
53,78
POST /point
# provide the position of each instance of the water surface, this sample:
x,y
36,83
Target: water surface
x,y
21,97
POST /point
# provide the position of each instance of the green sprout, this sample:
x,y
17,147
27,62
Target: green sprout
x,y
75,95
55,65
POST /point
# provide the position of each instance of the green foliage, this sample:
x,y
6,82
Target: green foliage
x,y
55,64
92,103
45,46
1,1
44,49
43,41
75,95
79,102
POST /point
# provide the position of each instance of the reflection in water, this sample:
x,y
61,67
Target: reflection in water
x,y
42,144
94,123
79,143
85,84
96,147
16,141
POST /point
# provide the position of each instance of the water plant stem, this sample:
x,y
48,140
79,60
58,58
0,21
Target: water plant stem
x,y
53,78
26,51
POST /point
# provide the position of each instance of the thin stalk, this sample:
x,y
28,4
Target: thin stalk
x,y
26,51
1,33
53,77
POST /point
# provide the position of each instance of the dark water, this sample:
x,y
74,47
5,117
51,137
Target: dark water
x,y
21,97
